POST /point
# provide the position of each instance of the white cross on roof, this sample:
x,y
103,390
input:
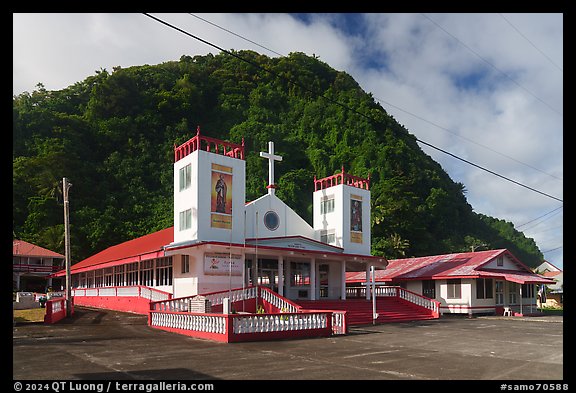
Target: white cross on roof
x,y
271,158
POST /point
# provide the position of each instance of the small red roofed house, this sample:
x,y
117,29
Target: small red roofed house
x,y
481,282
32,265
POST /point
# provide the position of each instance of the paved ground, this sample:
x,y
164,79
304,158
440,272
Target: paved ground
x,y
98,344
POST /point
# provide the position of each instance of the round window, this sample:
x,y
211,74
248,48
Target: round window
x,y
271,220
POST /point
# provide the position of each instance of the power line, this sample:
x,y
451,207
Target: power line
x,y
538,223
392,105
237,35
467,139
489,171
336,102
545,230
492,65
552,249
531,43
543,215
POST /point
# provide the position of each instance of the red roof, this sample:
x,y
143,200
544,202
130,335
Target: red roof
x,y
147,246
458,265
25,249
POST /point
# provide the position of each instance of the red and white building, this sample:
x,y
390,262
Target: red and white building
x,y
32,266
219,242
481,282
241,256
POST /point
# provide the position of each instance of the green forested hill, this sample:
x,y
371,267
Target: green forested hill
x,y
112,136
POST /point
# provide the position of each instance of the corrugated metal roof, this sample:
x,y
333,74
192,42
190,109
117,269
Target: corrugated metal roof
x,y
132,248
25,249
457,265
517,277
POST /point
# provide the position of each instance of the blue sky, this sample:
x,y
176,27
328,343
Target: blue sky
x,y
487,87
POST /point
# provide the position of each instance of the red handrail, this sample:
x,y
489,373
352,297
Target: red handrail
x,y
200,142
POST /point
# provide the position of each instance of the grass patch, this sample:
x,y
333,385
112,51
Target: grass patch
x,y
29,315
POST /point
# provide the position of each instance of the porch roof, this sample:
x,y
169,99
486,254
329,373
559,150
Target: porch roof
x,y
517,277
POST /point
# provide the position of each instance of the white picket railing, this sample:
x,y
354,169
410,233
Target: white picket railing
x,y
189,321
430,304
286,322
235,295
175,314
131,291
278,301
339,322
393,291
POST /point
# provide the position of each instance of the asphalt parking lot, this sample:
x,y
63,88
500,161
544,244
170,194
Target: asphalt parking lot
x,y
109,345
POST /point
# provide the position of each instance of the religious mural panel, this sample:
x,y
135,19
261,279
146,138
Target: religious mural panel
x,y
356,219
221,197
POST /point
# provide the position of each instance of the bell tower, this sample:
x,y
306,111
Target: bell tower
x,y
342,212
209,190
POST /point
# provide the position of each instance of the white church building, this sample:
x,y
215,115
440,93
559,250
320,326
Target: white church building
x,y
221,242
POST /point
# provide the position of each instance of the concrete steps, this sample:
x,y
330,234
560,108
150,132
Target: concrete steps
x,y
359,311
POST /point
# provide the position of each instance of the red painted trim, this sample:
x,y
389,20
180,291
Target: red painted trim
x,y
212,145
341,178
257,336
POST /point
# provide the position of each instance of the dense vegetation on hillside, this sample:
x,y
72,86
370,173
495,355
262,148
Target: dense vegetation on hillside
x,y
112,136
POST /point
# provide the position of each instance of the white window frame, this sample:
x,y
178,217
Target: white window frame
x,y
454,288
328,236
185,177
327,204
185,220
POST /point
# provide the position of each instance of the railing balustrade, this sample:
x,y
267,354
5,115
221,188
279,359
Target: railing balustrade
x,y
339,322
265,323
235,295
278,301
393,291
131,291
430,304
188,321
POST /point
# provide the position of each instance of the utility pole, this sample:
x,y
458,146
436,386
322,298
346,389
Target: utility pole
x,y
65,186
373,286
